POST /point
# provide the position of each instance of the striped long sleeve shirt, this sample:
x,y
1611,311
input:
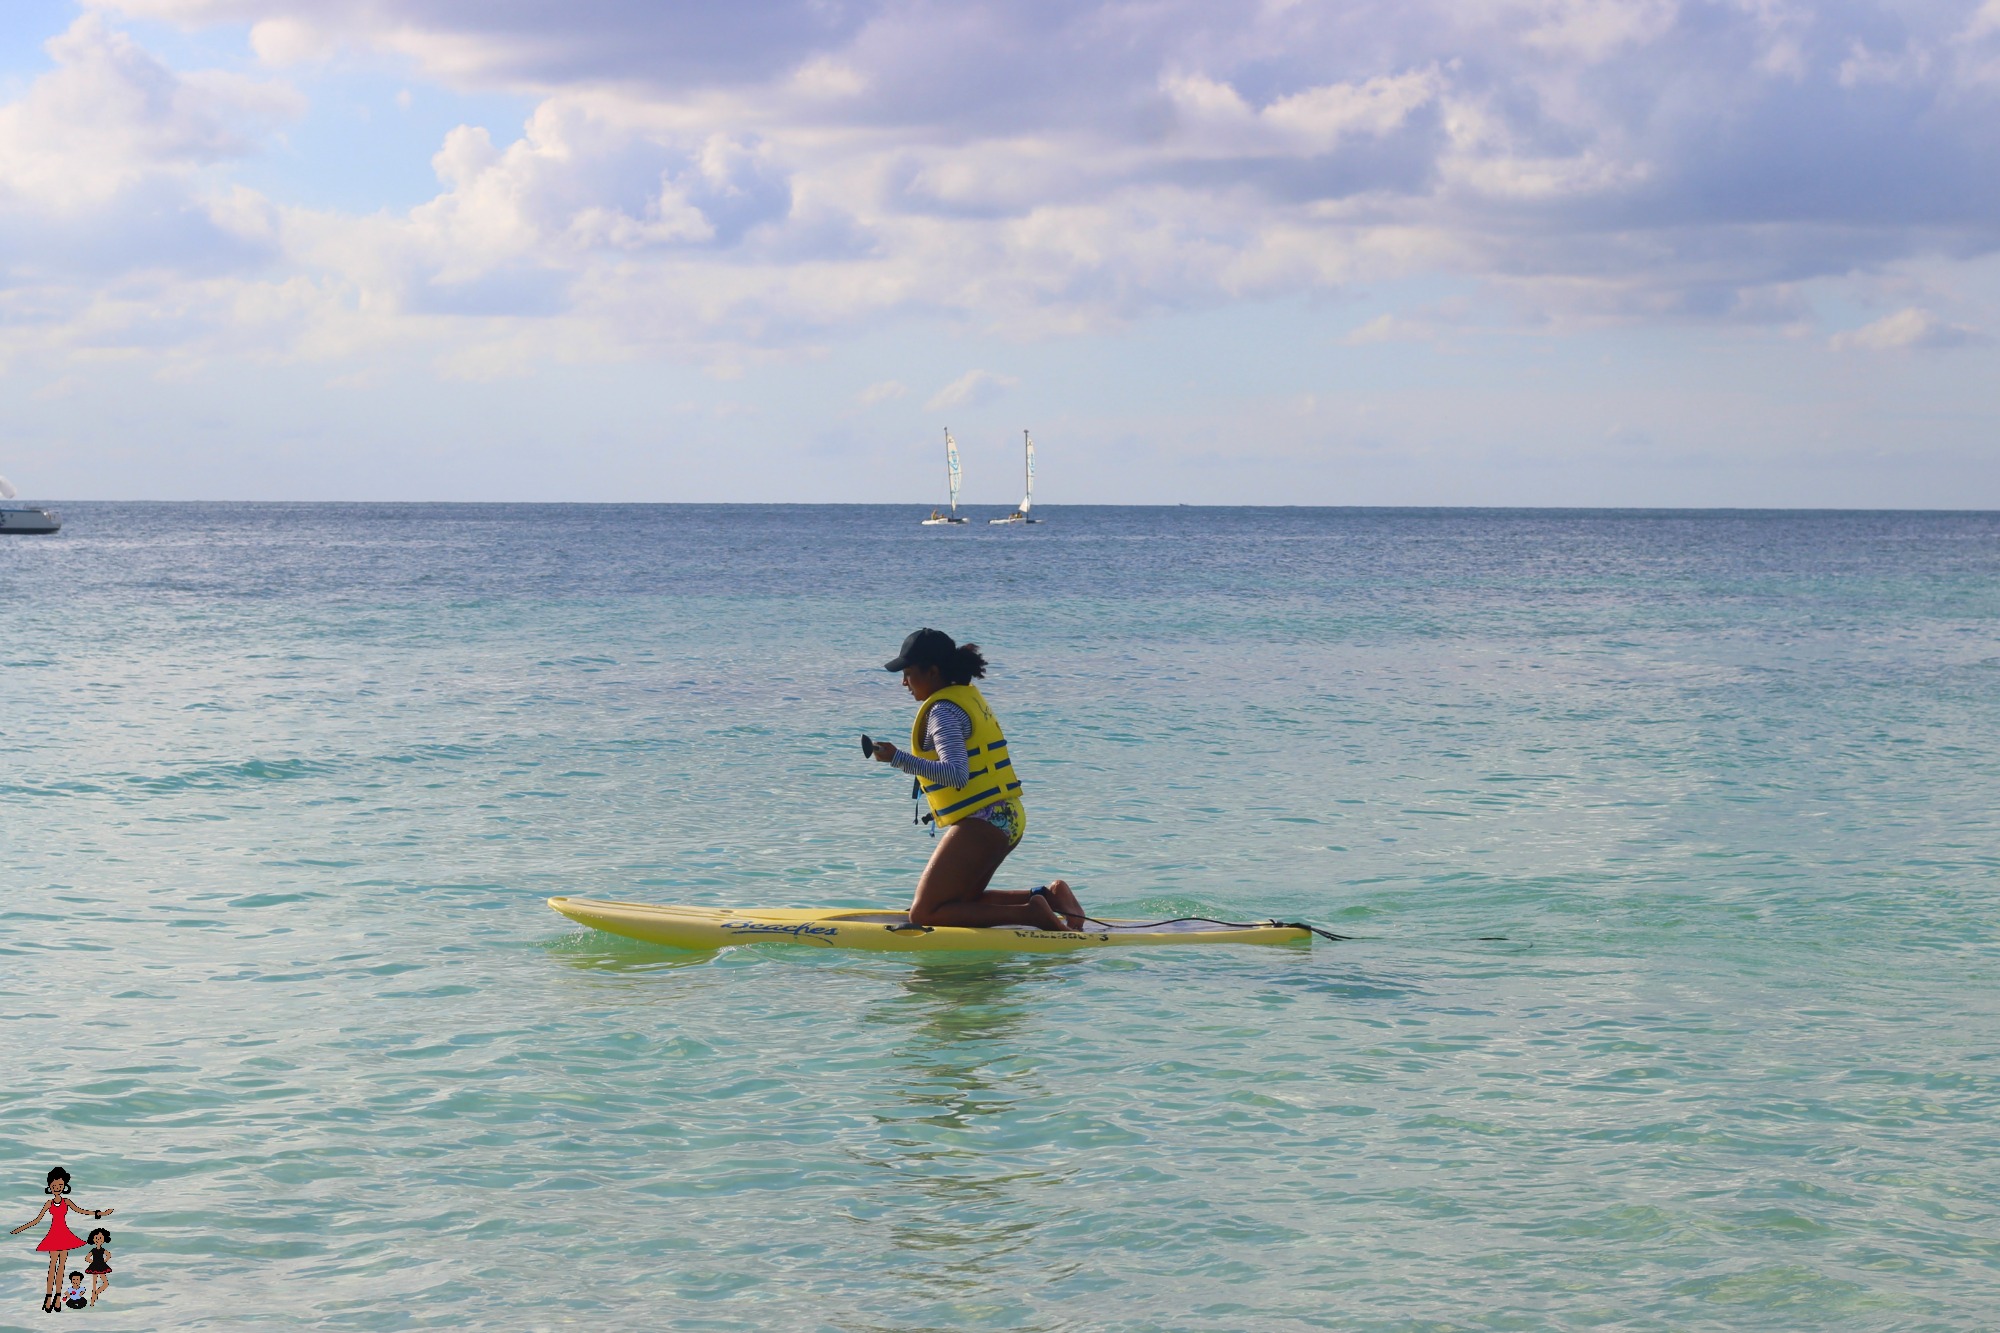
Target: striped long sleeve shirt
x,y
946,730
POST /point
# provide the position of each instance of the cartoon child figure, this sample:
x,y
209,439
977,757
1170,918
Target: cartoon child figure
x,y
99,1266
73,1297
60,1240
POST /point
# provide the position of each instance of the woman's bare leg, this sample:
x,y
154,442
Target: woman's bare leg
x,y
952,891
56,1262
1059,896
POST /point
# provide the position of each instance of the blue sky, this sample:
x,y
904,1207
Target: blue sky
x,y
1619,252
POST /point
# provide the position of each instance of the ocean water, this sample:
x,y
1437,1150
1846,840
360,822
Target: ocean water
x,y
1668,839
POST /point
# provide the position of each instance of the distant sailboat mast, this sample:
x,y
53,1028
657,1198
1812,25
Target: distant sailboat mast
x,y
951,468
1028,495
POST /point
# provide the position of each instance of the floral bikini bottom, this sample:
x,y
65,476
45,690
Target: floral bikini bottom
x,y
1009,816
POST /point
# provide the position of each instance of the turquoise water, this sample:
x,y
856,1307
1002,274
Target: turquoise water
x,y
286,785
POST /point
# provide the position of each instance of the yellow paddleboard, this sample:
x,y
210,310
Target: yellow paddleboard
x,y
840,928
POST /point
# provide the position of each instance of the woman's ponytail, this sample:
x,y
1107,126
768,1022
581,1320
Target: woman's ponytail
x,y
967,664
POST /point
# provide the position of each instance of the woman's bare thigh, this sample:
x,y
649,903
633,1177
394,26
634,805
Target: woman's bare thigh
x,y
967,855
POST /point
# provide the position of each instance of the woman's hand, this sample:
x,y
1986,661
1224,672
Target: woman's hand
x,y
884,752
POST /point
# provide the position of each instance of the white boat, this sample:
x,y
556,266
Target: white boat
x,y
25,519
29,520
951,473
1028,499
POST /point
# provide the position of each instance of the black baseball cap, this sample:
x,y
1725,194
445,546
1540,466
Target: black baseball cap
x,y
924,647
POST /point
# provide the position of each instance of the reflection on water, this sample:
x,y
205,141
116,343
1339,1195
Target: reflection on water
x,y
600,951
949,1133
952,1002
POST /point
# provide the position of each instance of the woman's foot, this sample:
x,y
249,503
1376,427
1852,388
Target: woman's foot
x,y
1066,903
1046,916
1052,896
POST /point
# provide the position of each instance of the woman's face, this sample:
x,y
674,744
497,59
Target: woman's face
x,y
922,681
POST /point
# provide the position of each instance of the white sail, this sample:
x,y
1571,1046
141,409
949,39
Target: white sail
x,y
940,517
7,491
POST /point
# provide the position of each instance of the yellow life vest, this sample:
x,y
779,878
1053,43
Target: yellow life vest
x,y
992,770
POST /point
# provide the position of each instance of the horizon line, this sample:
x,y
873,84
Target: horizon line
x,y
1005,506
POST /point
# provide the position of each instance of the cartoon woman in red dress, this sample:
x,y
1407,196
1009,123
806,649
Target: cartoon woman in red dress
x,y
60,1240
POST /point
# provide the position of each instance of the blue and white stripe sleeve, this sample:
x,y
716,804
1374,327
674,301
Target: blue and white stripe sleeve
x,y
946,730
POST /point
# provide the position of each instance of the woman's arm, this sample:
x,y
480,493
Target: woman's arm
x,y
31,1221
946,729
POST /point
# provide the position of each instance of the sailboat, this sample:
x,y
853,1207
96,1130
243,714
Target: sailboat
x,y
951,479
1021,515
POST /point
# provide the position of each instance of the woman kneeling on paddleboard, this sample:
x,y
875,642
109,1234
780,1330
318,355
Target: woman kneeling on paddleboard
x,y
960,757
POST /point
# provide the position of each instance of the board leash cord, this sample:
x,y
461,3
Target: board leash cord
x,y
1233,925
1175,921
1042,891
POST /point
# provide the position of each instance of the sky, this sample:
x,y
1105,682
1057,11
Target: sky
x,y
1451,252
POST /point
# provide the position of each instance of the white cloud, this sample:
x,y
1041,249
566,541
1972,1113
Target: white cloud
x,y
1216,120
1908,329
719,182
825,77
286,41
972,389
580,181
883,392
1595,29
1387,329
111,119
120,231
1864,66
